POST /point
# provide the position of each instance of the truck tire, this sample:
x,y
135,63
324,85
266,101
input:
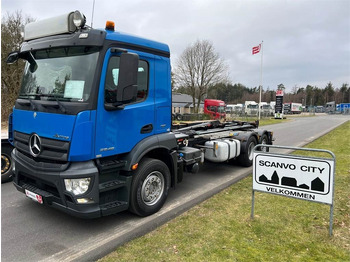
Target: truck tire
x,y
149,188
6,163
264,141
246,156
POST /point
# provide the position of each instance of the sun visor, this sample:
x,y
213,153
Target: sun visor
x,y
51,26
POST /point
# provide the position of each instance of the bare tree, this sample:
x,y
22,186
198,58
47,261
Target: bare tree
x,y
198,68
11,39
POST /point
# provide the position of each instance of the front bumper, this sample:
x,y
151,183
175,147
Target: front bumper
x,y
47,180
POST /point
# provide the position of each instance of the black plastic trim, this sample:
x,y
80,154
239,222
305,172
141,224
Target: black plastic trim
x,y
166,141
34,179
143,49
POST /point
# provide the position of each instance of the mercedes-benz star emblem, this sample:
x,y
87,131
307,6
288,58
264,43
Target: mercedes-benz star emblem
x,y
34,145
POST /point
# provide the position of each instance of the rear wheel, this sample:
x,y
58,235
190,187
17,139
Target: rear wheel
x,y
6,163
264,140
149,188
179,117
246,156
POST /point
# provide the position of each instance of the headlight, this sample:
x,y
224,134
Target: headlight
x,y
77,186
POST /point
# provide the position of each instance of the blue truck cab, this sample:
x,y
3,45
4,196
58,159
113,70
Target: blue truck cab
x,y
92,104
91,128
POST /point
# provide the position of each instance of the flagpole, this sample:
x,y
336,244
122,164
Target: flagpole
x,y
261,79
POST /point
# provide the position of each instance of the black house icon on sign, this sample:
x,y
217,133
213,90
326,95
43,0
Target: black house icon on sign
x,y
317,185
274,179
289,181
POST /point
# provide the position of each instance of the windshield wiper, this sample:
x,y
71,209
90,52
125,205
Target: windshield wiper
x,y
58,105
30,103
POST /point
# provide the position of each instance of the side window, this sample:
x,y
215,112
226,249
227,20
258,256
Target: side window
x,y
112,76
142,81
212,109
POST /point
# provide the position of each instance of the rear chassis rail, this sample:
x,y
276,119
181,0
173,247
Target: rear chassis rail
x,y
198,133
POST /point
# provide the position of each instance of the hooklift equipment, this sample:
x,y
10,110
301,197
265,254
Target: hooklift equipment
x,y
91,127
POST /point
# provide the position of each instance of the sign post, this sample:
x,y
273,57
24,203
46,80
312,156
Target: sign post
x,y
279,105
306,178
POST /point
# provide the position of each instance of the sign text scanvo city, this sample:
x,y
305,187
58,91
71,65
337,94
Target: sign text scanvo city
x,y
294,176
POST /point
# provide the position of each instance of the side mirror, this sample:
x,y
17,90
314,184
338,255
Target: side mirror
x,y
127,81
12,57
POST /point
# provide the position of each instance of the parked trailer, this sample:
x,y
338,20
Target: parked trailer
x,y
296,108
109,145
292,108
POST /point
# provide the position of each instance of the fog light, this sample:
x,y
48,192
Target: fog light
x,y
77,186
85,200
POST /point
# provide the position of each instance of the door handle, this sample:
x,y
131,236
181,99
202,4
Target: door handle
x,y
147,129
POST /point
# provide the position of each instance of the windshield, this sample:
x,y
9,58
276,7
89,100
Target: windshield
x,y
221,109
62,74
252,106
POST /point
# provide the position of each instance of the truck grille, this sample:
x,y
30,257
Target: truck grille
x,y
51,149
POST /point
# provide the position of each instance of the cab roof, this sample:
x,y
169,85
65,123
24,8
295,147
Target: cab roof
x,y
138,43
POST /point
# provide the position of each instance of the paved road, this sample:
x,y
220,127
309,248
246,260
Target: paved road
x,y
31,232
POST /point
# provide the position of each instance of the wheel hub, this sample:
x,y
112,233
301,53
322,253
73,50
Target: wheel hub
x,y
152,188
5,164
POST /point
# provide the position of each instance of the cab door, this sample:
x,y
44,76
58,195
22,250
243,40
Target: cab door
x,y
119,130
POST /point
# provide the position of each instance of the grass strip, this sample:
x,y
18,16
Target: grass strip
x,y
284,229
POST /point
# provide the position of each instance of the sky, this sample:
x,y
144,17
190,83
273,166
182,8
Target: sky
x,y
304,41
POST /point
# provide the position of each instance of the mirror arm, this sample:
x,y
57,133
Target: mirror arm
x,y
33,65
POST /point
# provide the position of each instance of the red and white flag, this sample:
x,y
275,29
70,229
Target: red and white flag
x,y
256,49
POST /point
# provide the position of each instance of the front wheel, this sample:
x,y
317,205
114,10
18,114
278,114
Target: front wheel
x,y
246,156
149,188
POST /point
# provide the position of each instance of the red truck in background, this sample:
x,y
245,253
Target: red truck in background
x,y
215,108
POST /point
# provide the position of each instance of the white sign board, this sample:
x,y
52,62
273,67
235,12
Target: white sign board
x,y
74,89
294,176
